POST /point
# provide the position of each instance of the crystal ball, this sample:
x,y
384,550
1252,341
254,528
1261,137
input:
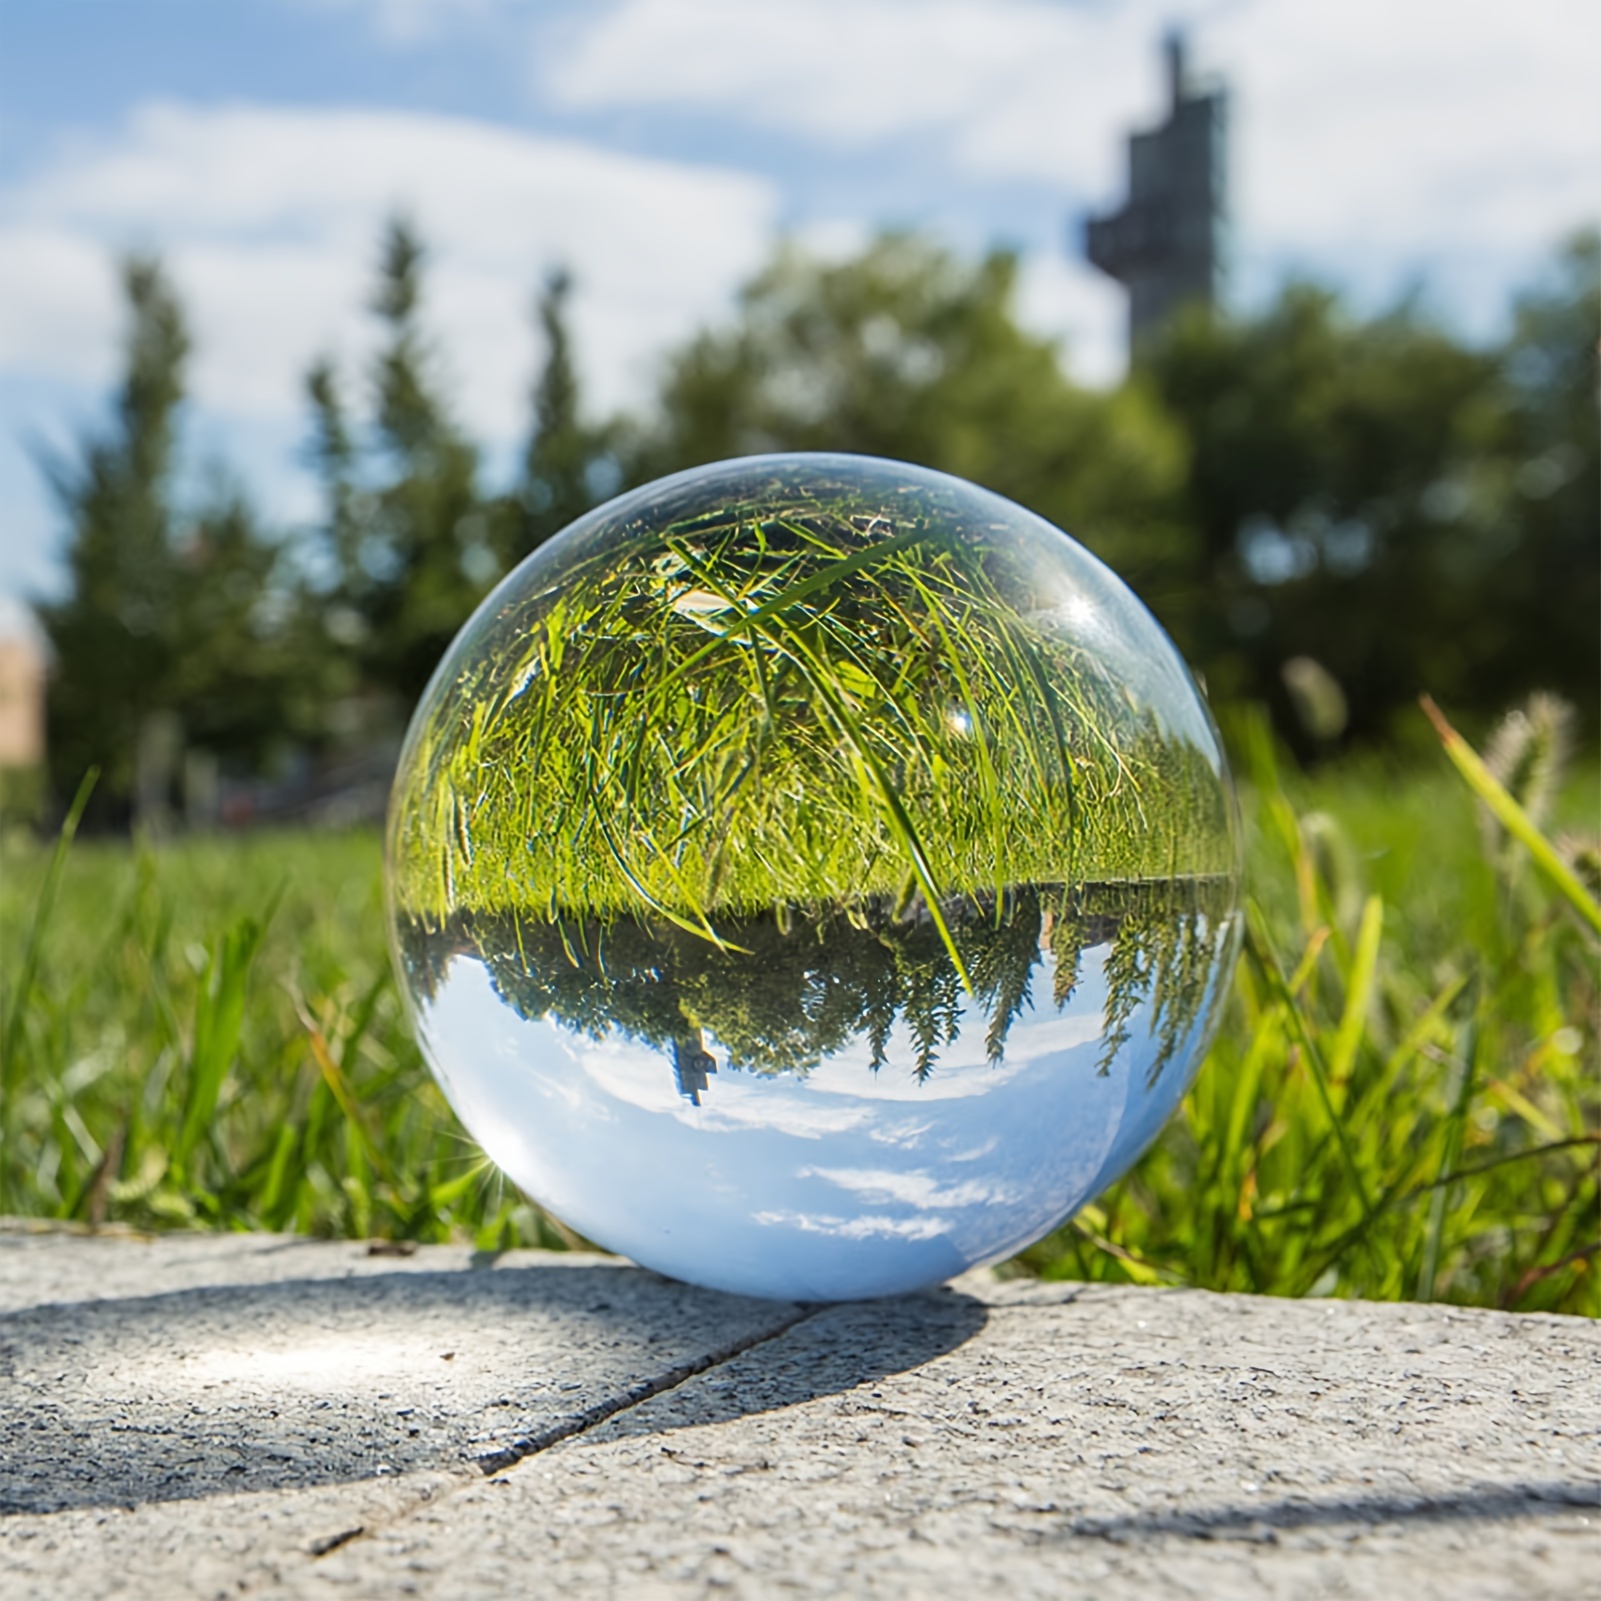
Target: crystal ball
x,y
812,876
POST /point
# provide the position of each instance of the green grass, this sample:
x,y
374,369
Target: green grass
x,y
1403,1100
214,1039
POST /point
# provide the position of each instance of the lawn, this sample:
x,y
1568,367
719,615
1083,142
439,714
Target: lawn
x,y
1403,1100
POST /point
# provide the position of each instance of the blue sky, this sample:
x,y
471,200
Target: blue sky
x,y
659,147
844,1182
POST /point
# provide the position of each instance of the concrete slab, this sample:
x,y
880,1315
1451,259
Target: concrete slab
x,y
246,1415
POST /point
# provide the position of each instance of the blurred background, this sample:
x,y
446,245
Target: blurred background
x,y
317,315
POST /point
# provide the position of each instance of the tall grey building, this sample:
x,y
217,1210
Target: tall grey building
x,y
1165,244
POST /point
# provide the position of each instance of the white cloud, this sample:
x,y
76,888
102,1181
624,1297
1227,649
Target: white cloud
x,y
922,1191
1068,300
1371,139
269,218
1010,81
1413,133
856,1228
409,23
57,302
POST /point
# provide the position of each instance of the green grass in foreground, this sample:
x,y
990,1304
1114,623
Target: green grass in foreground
x,y
1403,1100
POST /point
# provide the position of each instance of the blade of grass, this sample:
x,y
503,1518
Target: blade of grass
x,y
1513,818
1137,1268
219,1021
826,578
11,1034
1259,943
900,819
1400,1196
1450,1154
1538,1272
1427,1021
1358,995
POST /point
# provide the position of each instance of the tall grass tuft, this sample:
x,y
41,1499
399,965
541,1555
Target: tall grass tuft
x,y
1403,1101
209,1037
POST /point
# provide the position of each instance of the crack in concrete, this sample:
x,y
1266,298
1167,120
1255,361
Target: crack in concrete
x,y
494,1463
332,1542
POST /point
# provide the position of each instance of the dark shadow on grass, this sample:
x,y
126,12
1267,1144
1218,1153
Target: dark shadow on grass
x,y
317,1381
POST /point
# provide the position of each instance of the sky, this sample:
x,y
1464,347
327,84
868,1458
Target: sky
x,y
843,1182
660,148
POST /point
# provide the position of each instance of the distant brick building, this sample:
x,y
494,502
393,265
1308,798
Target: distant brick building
x,y
1165,245
22,689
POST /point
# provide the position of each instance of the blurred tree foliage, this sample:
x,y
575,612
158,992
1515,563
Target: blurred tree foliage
x,y
569,464
171,612
410,540
1548,588
1407,511
1411,513
406,531
909,352
1304,497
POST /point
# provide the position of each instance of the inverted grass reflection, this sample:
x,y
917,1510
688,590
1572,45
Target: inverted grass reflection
x,y
818,690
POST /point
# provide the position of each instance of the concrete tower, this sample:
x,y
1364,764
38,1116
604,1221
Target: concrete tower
x,y
1165,244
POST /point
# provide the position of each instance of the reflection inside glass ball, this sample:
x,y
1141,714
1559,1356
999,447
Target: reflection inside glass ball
x,y
812,876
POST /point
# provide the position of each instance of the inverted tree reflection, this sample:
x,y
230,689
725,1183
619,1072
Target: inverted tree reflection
x,y
786,989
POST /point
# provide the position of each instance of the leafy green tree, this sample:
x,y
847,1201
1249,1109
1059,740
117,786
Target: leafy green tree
x,y
1545,589
567,462
406,533
910,353
1409,512
165,614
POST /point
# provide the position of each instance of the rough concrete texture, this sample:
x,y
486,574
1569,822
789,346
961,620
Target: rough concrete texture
x,y
250,1416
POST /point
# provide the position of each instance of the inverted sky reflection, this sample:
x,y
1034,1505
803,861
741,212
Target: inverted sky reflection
x,y
840,1183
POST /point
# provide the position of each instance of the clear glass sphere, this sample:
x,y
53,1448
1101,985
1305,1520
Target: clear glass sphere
x,y
812,876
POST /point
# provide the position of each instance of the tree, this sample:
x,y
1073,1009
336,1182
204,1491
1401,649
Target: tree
x,y
1545,590
238,680
110,647
1364,494
163,618
409,542
910,353
566,462
407,537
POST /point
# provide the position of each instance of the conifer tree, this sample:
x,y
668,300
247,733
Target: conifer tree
x,y
112,652
408,536
164,623
565,456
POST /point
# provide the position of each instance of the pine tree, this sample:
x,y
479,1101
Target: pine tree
x,y
405,532
109,634
564,456
167,637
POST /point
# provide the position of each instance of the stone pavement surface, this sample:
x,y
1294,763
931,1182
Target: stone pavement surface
x,y
257,1416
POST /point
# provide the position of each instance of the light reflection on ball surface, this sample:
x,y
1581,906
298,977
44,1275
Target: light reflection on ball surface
x,y
812,876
